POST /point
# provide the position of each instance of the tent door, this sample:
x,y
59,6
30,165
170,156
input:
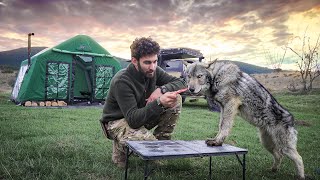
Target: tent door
x,y
82,81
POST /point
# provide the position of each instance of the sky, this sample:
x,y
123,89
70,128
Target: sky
x,y
251,31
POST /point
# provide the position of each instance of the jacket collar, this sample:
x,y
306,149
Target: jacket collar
x,y
135,73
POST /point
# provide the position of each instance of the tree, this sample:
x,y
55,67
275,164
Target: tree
x,y
308,62
276,60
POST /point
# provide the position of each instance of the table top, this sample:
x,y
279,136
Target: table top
x,y
150,150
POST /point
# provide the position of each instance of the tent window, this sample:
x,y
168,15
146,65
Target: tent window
x,y
57,80
103,78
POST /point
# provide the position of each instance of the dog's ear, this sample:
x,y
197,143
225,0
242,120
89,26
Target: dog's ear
x,y
211,62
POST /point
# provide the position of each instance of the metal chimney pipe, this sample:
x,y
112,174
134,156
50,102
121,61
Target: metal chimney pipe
x,y
29,48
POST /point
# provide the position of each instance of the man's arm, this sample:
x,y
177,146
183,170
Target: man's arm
x,y
171,83
167,82
136,117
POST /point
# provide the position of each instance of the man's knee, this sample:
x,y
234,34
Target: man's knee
x,y
138,135
177,109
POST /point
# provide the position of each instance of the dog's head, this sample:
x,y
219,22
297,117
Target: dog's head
x,y
198,78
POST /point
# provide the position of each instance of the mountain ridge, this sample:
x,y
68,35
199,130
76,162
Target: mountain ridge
x,y
13,58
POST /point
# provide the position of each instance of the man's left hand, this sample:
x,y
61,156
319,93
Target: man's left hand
x,y
156,93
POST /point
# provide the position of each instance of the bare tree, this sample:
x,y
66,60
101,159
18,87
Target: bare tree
x,y
276,60
308,62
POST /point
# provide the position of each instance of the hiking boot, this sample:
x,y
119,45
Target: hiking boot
x,y
119,160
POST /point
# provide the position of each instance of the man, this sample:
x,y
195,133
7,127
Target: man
x,y
141,98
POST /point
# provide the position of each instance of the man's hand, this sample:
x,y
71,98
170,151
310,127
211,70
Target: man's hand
x,y
156,93
168,99
181,91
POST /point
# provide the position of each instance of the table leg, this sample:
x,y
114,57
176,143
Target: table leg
x,y
127,164
210,167
146,171
244,167
243,164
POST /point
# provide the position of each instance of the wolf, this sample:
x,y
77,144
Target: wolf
x,y
238,93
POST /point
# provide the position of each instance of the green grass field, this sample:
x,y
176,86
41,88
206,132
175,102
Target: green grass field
x,y
48,143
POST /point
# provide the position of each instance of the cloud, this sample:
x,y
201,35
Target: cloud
x,y
230,28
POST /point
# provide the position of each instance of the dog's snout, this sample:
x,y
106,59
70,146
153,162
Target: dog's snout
x,y
191,89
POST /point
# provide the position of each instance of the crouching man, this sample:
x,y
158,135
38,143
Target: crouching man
x,y
141,98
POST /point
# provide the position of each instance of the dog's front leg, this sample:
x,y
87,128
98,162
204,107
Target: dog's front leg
x,y
228,113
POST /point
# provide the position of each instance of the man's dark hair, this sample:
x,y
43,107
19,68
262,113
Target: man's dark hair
x,y
144,47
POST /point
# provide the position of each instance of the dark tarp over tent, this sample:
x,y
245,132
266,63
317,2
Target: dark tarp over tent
x,y
75,70
177,53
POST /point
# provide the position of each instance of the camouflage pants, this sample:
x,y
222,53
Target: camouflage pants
x,y
120,132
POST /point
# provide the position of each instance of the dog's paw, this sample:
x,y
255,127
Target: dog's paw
x,y
213,142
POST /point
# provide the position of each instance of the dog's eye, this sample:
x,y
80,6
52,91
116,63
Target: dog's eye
x,y
199,76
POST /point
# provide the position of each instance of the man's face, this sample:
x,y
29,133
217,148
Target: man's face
x,y
146,65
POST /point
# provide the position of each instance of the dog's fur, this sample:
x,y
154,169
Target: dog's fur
x,y
237,92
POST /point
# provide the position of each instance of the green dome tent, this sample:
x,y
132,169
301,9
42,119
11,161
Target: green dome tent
x,y
78,69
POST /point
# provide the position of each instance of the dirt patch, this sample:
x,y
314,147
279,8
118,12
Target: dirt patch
x,y
281,81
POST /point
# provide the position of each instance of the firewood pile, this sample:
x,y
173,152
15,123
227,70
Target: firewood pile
x,y
45,103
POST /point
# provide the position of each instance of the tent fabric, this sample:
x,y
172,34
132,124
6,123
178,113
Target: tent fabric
x,y
22,71
70,71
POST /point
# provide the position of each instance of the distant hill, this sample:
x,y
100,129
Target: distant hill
x,y
250,68
14,57
245,67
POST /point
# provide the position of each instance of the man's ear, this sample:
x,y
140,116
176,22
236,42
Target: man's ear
x,y
134,61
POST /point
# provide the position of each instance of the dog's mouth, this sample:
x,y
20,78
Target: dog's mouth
x,y
194,93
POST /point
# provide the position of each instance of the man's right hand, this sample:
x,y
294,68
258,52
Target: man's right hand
x,y
168,99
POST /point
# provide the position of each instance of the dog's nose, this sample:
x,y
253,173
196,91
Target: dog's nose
x,y
191,90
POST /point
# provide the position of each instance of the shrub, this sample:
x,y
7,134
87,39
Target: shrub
x,y
9,71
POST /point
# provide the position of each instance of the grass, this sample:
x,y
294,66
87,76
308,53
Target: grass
x,y
39,143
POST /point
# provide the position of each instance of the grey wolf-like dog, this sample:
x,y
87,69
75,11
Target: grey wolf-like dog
x,y
238,93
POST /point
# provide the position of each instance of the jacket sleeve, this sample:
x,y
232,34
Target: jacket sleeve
x,y
170,82
136,117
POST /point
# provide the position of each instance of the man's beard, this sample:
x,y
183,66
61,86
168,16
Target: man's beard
x,y
145,74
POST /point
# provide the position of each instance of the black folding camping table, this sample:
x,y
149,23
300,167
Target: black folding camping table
x,y
169,149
